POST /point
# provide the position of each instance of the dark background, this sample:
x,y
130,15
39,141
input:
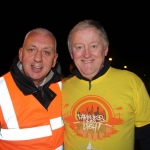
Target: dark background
x,y
126,23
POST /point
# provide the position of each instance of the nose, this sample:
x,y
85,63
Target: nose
x,y
86,53
38,56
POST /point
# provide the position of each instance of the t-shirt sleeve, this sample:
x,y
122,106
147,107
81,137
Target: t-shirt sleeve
x,y
142,111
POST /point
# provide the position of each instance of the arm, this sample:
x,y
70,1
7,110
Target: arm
x,y
142,134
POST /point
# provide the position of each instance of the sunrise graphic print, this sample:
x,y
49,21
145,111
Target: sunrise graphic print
x,y
93,118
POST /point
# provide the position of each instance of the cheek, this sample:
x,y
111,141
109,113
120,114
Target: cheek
x,y
100,54
76,55
50,62
25,60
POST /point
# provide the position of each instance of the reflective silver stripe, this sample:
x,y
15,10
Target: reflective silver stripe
x,y
60,147
7,106
25,134
13,132
60,84
56,123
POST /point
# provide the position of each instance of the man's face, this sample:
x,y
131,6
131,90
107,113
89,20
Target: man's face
x,y
88,51
38,56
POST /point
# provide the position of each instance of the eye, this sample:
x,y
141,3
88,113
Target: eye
x,y
93,46
46,52
78,47
32,50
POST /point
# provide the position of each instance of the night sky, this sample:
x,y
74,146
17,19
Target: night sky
x,y
126,23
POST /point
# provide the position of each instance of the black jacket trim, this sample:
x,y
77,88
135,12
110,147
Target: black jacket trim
x,y
44,95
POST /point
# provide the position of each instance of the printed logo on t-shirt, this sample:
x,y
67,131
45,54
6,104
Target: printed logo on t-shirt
x,y
93,118
88,147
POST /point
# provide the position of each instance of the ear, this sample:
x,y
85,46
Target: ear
x,y
20,54
71,55
55,60
106,51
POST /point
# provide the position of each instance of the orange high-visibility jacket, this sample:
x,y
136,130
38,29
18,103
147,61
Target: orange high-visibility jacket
x,y
24,123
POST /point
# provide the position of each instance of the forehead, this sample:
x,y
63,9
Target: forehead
x,y
90,33
38,38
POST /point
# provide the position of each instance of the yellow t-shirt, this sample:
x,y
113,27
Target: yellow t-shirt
x,y
104,117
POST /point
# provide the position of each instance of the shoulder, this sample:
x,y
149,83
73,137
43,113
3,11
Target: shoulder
x,y
6,76
121,72
124,75
69,80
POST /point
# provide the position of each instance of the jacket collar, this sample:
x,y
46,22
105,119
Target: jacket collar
x,y
44,95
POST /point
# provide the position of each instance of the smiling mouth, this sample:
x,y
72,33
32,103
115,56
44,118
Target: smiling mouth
x,y
87,61
36,67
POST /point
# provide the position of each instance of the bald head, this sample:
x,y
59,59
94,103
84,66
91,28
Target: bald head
x,y
41,31
38,54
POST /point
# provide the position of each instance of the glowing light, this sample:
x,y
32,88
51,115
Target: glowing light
x,y
110,59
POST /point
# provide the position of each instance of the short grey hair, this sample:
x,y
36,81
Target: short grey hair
x,y
86,24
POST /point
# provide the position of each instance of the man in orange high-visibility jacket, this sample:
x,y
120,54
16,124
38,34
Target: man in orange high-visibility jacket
x,y
30,97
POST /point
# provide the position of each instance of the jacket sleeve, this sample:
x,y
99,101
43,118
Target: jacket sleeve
x,y
142,134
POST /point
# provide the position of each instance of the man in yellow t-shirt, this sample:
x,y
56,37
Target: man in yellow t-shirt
x,y
103,108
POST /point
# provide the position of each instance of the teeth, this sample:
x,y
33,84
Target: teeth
x,y
87,61
36,67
